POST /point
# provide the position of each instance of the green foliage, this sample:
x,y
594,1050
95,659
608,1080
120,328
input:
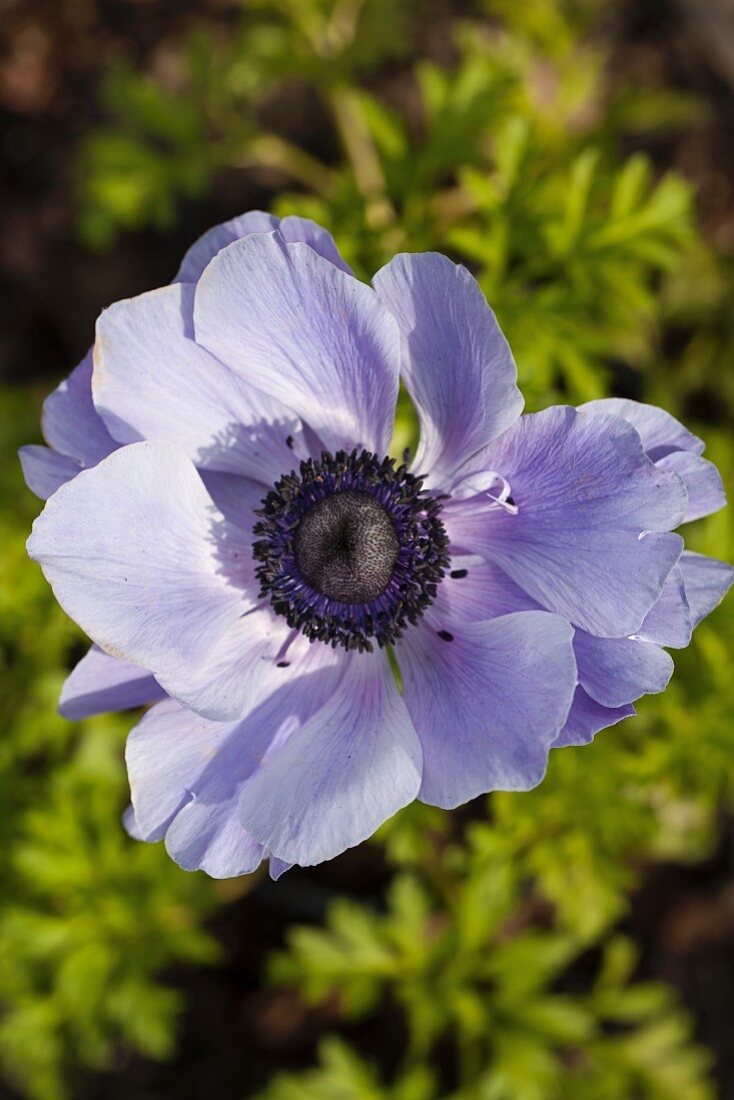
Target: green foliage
x,y
343,1075
126,178
88,918
508,161
169,140
465,958
498,943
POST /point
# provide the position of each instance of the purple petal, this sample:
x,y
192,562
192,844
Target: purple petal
x,y
187,773
486,592
586,717
301,330
488,704
457,364
295,230
278,867
256,655
702,481
152,381
138,555
165,754
100,684
668,622
130,825
475,589
615,671
221,759
236,498
45,471
707,581
172,755
341,774
70,422
201,838
292,229
210,243
661,433
585,494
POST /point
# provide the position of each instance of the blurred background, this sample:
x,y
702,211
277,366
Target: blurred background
x,y
573,943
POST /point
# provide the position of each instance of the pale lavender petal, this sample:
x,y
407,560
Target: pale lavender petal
x,y
456,363
486,592
203,838
170,755
139,556
206,832
278,867
70,422
487,701
292,228
152,381
236,498
702,481
615,671
130,825
669,620
586,717
295,229
186,772
341,774
298,328
218,237
585,496
707,581
475,589
100,684
661,433
258,653
165,755
44,470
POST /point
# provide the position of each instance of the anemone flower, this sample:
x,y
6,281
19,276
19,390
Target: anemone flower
x,y
226,524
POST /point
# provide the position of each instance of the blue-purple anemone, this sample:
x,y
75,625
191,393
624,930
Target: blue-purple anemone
x,y
226,524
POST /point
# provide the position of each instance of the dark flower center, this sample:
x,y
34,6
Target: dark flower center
x,y
350,549
346,547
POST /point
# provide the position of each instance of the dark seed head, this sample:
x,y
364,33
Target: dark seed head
x,y
350,549
346,547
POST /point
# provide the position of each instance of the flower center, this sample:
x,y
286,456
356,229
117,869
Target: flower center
x,y
346,547
350,549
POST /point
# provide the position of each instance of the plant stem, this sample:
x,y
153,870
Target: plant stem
x,y
362,155
272,151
